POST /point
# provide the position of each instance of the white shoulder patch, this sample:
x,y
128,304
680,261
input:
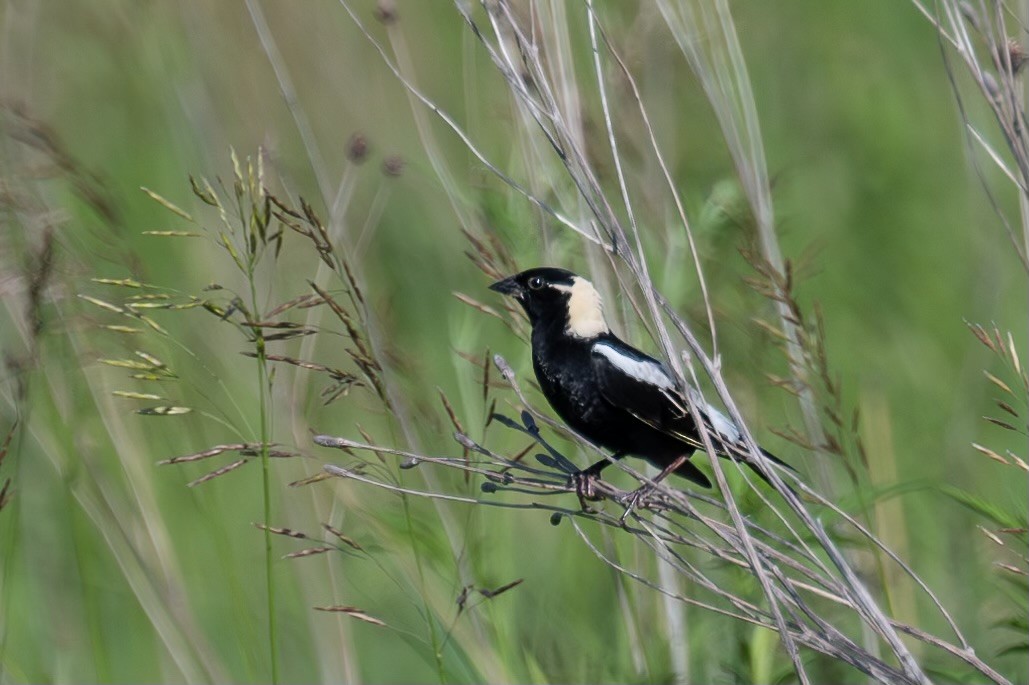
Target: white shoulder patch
x,y
654,373
640,369
585,311
722,424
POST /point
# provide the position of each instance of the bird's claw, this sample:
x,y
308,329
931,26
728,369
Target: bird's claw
x,y
585,487
632,500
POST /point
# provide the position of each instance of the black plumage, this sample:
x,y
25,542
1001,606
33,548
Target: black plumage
x,y
605,389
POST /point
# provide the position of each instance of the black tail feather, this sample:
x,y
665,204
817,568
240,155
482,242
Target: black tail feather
x,y
690,471
772,458
776,460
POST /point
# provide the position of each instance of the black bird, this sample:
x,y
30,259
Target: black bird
x,y
608,391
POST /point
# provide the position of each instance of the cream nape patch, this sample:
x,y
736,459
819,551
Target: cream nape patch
x,y
585,312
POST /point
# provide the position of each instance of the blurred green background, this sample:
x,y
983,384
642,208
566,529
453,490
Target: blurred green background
x,y
114,571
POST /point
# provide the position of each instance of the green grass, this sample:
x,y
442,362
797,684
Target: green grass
x,y
112,570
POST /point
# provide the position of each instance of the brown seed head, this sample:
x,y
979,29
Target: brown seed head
x,y
357,148
1017,55
393,166
386,12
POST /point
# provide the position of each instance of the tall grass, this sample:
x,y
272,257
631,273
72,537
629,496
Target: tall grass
x,y
519,55
986,41
322,289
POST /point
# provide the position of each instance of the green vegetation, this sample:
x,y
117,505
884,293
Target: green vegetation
x,y
310,256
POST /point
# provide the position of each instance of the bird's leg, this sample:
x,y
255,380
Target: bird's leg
x,y
642,491
584,480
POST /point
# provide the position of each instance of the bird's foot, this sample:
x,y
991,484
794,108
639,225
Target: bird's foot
x,y
585,487
633,499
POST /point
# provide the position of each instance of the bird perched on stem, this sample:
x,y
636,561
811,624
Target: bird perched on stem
x,y
608,391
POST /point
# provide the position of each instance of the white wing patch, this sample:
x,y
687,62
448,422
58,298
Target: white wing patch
x,y
640,369
585,312
719,421
654,373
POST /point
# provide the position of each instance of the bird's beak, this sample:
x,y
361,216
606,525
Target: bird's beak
x,y
508,286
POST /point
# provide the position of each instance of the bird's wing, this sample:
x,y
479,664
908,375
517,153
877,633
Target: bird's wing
x,y
642,386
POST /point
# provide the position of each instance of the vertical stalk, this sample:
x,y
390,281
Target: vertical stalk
x,y
434,641
262,375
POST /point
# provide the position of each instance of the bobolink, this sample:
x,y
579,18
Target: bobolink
x,y
608,391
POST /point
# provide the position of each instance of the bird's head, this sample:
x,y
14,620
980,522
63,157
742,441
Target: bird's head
x,y
554,297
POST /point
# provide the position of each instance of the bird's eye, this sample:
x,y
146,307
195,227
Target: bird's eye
x,y
535,283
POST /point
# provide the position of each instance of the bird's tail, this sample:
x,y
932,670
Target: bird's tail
x,y
772,458
775,460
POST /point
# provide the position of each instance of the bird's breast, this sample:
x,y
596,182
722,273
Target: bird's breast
x,y
570,385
